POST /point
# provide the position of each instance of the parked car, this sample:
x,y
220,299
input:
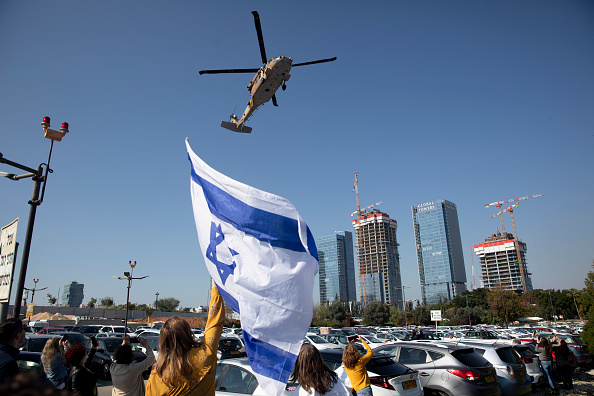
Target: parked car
x,y
30,362
35,342
48,330
532,362
230,347
388,378
318,341
511,370
106,351
480,335
424,336
372,341
147,332
153,344
339,340
117,329
86,329
445,368
584,359
386,337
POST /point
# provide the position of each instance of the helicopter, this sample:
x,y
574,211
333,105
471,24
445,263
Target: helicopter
x,y
267,80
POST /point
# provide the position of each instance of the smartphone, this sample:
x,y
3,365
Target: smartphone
x,y
352,338
65,337
134,340
94,341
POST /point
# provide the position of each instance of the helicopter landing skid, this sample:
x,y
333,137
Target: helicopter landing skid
x,y
232,127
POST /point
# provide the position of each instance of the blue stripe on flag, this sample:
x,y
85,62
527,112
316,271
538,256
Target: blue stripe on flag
x,y
268,360
228,298
278,231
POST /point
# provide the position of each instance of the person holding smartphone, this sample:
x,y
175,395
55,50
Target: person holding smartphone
x,y
81,380
126,374
354,365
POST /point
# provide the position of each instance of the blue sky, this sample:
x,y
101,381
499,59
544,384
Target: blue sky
x,y
472,102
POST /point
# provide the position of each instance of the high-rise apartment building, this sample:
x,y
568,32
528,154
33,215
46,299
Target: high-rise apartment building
x,y
337,267
73,294
439,251
378,261
499,263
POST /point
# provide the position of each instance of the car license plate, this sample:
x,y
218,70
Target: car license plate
x,y
234,352
489,378
409,384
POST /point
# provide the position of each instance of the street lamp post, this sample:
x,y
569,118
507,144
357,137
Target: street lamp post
x,y
128,276
33,291
38,176
156,300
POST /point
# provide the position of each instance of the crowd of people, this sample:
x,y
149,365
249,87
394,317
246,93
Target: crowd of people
x,y
184,367
187,367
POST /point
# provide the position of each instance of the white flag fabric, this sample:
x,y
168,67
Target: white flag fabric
x,y
263,258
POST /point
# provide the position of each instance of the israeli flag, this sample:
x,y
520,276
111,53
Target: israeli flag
x,y
263,258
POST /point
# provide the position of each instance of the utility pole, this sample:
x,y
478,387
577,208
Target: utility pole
x,y
33,292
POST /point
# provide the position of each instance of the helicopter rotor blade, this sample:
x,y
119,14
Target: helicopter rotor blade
x,y
228,71
274,100
314,62
260,37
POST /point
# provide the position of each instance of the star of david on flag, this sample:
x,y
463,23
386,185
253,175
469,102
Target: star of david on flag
x,y
263,258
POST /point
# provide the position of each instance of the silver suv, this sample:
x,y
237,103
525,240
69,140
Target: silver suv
x,y
445,368
511,371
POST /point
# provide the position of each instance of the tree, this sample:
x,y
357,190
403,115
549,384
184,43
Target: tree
x,y
396,316
337,313
107,302
92,302
376,313
51,299
167,304
587,299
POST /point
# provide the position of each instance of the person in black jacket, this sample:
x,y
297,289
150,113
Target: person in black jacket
x,y
81,380
12,334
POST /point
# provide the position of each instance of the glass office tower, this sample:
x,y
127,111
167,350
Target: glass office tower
x,y
439,251
337,267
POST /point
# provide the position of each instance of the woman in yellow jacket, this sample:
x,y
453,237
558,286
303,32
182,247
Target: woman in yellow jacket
x,y
185,366
354,365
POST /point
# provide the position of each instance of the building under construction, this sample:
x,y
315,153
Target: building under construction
x,y
378,262
499,263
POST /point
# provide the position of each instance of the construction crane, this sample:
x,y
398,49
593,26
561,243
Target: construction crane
x,y
360,212
516,242
499,203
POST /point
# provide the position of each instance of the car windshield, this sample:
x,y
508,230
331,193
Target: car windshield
x,y
508,355
373,339
317,339
37,344
112,344
154,344
470,358
348,332
90,329
524,351
574,340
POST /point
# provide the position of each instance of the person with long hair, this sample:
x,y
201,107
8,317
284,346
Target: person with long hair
x,y
546,359
126,374
314,376
563,359
354,365
81,380
186,366
53,362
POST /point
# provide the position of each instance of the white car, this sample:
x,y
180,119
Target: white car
x,y
319,342
235,376
372,341
148,332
